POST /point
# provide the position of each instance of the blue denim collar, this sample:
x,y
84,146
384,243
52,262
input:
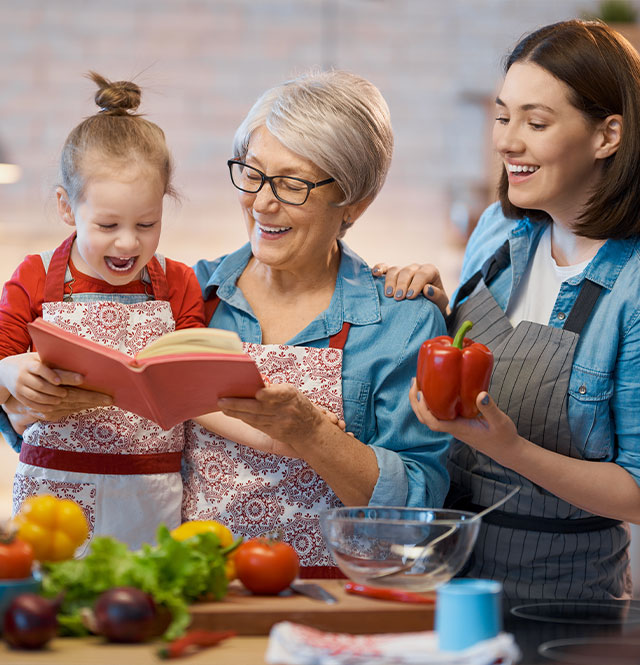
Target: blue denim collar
x,y
355,298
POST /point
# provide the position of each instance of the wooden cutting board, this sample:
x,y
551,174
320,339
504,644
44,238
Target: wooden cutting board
x,y
254,615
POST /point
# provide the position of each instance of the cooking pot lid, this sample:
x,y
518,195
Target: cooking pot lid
x,y
602,612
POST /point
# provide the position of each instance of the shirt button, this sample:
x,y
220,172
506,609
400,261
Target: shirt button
x,y
582,390
561,316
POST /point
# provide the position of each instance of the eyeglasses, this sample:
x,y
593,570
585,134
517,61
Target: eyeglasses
x,y
294,191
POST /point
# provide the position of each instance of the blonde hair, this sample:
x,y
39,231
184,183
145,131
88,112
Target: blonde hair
x,y
335,119
117,135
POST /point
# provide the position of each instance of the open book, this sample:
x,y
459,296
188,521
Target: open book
x,y
179,376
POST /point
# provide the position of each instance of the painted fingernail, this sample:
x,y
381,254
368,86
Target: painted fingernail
x,y
430,291
389,291
409,293
485,400
419,397
413,381
376,270
399,293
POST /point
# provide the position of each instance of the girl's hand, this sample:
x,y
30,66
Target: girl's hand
x,y
282,412
409,281
492,432
19,415
332,418
31,382
76,399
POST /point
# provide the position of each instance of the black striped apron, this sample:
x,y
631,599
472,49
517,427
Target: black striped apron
x,y
537,545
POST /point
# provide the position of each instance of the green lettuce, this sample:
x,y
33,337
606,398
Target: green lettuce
x,y
175,573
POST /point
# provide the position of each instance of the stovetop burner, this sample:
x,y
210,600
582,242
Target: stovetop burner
x,y
610,612
593,651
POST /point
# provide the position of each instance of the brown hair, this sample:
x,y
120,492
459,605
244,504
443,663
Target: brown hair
x,y
118,135
602,71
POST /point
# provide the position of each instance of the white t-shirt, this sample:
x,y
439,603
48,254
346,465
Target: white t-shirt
x,y
540,285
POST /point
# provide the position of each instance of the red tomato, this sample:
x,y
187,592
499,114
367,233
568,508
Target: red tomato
x,y
16,559
266,566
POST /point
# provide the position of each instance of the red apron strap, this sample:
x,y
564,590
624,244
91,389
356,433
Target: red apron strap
x,y
210,307
54,279
321,572
158,277
338,340
117,464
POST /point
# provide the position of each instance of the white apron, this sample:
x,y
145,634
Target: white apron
x,y
123,470
256,493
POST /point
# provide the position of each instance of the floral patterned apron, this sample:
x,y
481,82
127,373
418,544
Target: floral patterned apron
x,y
254,492
123,470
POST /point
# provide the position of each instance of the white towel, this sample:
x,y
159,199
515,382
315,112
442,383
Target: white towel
x,y
294,644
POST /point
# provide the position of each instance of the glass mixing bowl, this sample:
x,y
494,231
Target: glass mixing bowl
x,y
406,548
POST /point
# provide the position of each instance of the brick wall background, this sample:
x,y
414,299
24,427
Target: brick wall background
x,y
202,63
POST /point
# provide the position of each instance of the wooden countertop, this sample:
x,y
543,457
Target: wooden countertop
x,y
95,651
252,617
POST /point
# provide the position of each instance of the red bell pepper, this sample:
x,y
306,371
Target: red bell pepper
x,y
194,640
451,373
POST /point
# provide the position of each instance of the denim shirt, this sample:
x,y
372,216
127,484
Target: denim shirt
x,y
379,362
604,388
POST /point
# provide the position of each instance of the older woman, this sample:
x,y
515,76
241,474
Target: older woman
x,y
309,158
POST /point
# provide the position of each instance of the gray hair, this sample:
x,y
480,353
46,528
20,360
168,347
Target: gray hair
x,y
335,119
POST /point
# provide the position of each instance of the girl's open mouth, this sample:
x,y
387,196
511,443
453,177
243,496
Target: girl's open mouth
x,y
120,263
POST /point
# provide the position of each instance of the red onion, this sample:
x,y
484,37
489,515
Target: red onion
x,y
125,614
30,621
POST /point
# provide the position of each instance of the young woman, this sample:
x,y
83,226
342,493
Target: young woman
x,y
550,279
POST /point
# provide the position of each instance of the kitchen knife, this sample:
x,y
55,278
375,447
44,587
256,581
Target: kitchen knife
x,y
314,591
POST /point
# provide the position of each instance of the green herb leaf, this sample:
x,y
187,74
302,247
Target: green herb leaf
x,y
175,573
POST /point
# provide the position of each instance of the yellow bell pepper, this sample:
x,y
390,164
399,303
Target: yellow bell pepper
x,y
194,527
54,527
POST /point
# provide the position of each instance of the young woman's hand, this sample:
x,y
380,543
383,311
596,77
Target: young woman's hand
x,y
409,281
492,432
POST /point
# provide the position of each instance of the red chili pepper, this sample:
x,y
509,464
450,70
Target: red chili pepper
x,y
194,640
386,594
451,373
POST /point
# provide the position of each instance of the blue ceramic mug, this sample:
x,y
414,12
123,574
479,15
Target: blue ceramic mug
x,y
467,611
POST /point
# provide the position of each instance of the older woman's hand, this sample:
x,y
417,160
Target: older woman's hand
x,y
282,412
492,432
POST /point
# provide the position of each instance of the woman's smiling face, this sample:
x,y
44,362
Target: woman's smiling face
x,y
547,145
289,237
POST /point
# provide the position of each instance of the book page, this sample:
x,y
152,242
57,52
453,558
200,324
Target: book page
x,y
193,340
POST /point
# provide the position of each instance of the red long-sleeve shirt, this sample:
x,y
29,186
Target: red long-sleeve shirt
x,y
22,298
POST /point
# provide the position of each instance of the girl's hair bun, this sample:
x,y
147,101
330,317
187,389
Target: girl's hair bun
x,y
115,97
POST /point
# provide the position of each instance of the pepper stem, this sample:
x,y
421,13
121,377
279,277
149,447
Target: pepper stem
x,y
462,331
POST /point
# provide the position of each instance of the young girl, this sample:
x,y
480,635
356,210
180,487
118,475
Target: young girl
x,y
550,279
107,283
